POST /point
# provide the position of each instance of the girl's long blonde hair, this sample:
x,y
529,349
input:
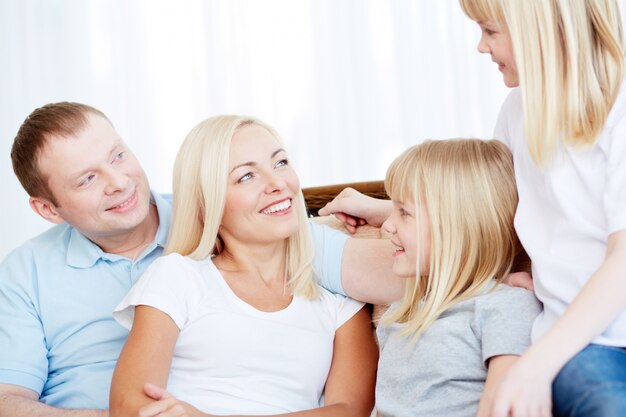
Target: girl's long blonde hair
x,y
570,61
467,187
199,196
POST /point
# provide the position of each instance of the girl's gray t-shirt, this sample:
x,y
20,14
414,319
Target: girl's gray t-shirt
x,y
443,372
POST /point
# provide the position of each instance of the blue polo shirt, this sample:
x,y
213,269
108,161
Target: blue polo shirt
x,y
57,293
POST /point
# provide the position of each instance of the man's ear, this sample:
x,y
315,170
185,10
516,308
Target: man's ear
x,y
45,209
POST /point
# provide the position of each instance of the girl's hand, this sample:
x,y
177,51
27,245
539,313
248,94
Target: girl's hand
x,y
525,391
166,405
521,280
355,209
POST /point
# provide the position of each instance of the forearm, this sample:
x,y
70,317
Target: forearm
x,y
367,274
18,406
335,410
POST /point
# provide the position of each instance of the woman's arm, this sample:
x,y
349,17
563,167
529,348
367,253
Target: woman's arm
x,y
352,377
146,357
526,388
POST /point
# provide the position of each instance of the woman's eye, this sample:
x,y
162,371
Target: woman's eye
x,y
282,163
245,177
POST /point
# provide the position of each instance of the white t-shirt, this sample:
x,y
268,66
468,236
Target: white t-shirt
x,y
567,210
230,357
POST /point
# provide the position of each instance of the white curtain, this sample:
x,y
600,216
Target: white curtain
x,y
348,83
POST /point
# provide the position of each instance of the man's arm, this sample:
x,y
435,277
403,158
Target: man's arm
x,y
366,273
16,401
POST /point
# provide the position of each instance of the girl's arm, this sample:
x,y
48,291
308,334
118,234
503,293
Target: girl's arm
x,y
526,388
349,388
146,357
497,368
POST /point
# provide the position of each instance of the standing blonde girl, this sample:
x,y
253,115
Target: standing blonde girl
x,y
566,127
457,328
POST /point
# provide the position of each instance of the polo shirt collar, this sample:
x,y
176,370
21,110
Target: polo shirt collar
x,y
83,253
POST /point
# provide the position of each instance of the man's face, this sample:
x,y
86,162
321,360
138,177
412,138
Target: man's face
x,y
98,183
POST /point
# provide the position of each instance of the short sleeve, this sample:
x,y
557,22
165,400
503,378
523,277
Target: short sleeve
x,y
505,317
511,108
24,355
614,145
167,285
342,307
329,245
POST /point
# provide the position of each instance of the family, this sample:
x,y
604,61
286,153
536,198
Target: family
x,y
224,299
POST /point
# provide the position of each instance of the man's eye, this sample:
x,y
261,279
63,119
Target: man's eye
x,y
87,180
119,156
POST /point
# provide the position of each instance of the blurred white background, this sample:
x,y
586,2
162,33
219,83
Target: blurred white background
x,y
349,84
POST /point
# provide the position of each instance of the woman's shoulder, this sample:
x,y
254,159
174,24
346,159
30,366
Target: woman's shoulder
x,y
182,267
177,260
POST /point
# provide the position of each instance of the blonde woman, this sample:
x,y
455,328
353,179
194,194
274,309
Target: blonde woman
x,y
444,346
230,320
566,127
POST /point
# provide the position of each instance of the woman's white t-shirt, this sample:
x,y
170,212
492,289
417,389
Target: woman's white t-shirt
x,y
229,356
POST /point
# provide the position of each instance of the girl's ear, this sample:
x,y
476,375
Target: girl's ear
x,y
45,209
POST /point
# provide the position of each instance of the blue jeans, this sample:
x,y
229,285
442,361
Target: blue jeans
x,y
592,384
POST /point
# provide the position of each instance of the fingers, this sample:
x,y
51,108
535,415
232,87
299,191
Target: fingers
x,y
158,408
499,409
155,392
341,202
521,279
327,210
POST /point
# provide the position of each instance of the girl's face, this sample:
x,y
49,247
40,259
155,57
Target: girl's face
x,y
496,41
261,203
403,227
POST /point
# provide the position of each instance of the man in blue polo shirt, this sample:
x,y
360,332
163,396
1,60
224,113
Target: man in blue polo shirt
x,y
58,340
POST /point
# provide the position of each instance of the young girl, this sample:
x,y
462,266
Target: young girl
x,y
566,127
230,320
457,328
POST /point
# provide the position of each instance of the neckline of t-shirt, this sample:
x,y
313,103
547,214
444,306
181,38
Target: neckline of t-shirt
x,y
243,304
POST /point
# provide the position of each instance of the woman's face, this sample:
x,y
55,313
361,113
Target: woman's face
x,y
403,227
261,204
496,41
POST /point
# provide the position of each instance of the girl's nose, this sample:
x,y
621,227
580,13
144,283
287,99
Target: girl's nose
x,y
389,226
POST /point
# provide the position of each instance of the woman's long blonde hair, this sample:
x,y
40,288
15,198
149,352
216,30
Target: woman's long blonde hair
x,y
199,196
570,61
467,187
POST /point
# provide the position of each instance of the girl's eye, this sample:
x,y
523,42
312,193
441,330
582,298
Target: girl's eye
x,y
282,163
245,177
119,156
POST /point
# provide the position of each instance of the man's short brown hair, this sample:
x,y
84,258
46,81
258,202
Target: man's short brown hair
x,y
54,119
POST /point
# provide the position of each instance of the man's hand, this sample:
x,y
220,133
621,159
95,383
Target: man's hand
x,y
354,209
